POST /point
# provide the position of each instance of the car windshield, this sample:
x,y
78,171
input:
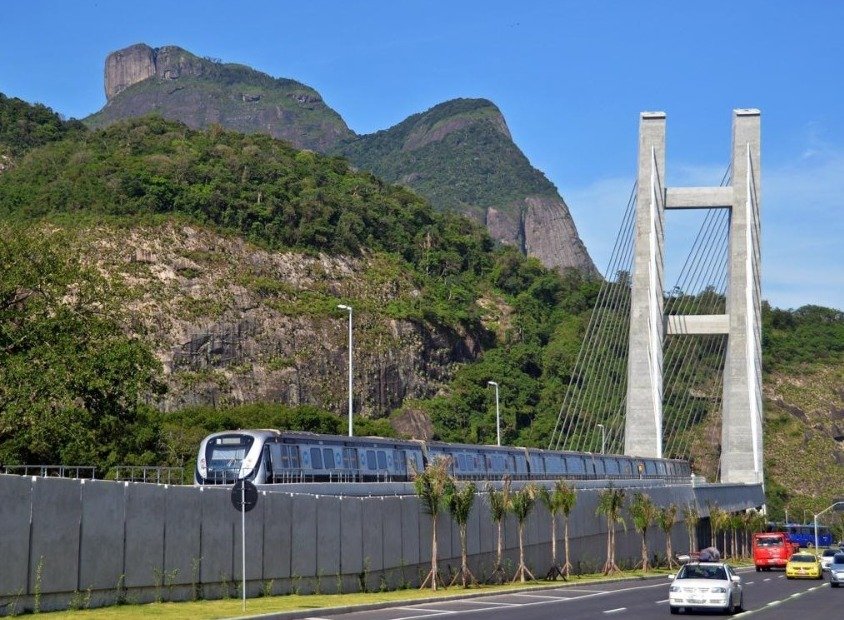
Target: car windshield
x,y
838,559
696,571
769,541
828,553
803,558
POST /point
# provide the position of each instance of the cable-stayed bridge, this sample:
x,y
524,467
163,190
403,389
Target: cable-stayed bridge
x,y
677,373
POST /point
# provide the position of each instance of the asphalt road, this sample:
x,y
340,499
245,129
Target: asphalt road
x,y
767,596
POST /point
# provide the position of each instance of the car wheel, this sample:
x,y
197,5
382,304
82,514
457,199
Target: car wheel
x,y
758,569
834,585
740,607
675,610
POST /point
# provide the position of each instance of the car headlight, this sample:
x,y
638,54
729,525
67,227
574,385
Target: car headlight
x,y
718,590
674,589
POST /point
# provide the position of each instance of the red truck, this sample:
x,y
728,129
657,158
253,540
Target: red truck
x,y
772,550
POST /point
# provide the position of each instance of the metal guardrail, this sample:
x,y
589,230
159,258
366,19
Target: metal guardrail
x,y
52,471
148,473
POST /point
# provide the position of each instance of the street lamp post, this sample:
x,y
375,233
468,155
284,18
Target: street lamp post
x,y
603,438
819,514
497,414
805,510
349,308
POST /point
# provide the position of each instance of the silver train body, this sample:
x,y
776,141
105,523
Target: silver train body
x,y
273,457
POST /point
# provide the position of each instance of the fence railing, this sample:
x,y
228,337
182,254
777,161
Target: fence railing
x,y
148,473
52,471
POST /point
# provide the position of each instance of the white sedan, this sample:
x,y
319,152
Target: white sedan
x,y
706,585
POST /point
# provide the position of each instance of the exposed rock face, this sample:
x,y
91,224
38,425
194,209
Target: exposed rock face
x,y
460,154
127,67
200,92
550,235
235,324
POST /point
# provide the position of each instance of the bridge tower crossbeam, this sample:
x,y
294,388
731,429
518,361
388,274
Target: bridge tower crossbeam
x,y
741,431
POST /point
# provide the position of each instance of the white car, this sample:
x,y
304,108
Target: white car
x,y
826,557
706,585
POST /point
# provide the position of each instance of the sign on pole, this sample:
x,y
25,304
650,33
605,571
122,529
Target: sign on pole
x,y
244,497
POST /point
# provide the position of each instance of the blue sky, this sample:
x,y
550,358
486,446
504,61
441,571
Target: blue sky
x,y
570,77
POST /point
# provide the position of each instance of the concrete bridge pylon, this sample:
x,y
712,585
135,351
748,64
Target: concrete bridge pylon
x,y
741,431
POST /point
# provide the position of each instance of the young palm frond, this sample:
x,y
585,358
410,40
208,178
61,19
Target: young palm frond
x,y
521,504
610,502
666,518
431,486
459,503
644,513
498,502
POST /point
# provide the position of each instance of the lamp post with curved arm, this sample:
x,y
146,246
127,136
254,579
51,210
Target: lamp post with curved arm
x,y
603,438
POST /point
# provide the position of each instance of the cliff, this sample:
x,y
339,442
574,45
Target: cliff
x,y
459,155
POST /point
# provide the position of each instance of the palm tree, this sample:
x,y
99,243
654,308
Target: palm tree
x,y
735,526
691,517
719,521
610,503
459,504
430,485
644,514
554,501
521,503
665,520
568,498
498,502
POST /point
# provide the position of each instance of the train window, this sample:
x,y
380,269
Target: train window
x,y
400,459
479,462
328,457
370,460
316,458
382,459
611,466
626,467
294,457
350,458
660,468
650,468
574,464
461,462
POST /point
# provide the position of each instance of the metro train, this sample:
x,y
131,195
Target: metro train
x,y
270,456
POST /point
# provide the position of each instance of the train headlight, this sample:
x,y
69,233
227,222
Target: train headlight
x,y
202,469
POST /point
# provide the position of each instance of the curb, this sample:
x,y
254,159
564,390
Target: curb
x,y
345,609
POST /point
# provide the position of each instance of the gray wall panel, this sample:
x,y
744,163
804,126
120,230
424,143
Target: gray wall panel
x,y
277,533
253,522
351,528
410,530
144,534
425,535
304,516
392,514
373,543
183,524
217,540
101,546
328,536
16,492
56,514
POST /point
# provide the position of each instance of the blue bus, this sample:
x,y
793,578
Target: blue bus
x,y
804,535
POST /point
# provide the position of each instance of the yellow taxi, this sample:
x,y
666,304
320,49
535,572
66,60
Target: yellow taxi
x,y
803,565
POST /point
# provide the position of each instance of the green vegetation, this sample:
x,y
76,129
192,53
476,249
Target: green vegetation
x,y
459,155
24,126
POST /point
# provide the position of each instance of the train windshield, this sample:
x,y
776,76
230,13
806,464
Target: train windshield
x,y
225,454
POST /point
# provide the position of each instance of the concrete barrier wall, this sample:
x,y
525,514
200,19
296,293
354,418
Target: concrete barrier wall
x,y
149,542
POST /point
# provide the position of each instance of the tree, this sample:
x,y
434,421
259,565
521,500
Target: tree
x,y
644,513
665,520
498,501
521,504
459,504
691,517
72,383
719,522
431,485
560,500
610,503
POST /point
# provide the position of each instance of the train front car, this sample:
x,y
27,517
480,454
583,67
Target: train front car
x,y
229,456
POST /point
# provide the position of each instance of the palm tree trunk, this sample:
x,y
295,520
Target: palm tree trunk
x,y
644,553
567,566
433,577
669,552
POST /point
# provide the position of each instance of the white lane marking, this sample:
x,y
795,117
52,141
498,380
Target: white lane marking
x,y
749,583
430,611
767,579
614,611
535,596
665,600
772,603
484,602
